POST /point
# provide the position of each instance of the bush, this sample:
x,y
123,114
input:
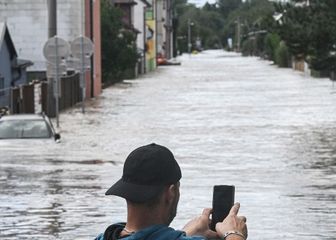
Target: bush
x,y
119,51
272,41
248,47
282,56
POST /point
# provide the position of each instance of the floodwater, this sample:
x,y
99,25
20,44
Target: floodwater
x,y
229,120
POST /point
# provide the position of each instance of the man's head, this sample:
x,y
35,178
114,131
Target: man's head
x,y
150,176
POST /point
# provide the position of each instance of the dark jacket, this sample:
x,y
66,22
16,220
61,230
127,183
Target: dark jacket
x,y
155,232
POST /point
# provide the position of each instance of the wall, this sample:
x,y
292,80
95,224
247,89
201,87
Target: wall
x,y
169,29
97,71
164,28
160,33
151,37
139,23
27,21
301,66
5,71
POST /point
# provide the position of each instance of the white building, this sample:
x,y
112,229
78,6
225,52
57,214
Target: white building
x,y
27,20
28,23
140,24
164,24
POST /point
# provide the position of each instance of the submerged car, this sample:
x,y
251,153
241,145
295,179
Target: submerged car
x,y
27,126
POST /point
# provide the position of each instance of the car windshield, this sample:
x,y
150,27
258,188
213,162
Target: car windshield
x,y
24,129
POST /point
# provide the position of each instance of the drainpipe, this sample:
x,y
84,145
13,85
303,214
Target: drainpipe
x,y
92,59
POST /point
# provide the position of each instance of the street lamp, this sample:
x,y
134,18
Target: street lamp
x,y
190,24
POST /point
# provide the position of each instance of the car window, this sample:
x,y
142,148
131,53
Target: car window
x,y
24,129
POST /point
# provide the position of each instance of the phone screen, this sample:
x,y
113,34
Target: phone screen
x,y
222,202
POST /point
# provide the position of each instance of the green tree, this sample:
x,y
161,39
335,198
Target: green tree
x,y
225,7
119,52
282,56
254,20
309,31
272,42
323,36
295,29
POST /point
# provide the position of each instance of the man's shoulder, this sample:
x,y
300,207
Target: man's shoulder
x,y
100,237
185,237
191,238
161,232
155,232
111,232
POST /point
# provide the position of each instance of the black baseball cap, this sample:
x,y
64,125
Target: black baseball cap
x,y
147,170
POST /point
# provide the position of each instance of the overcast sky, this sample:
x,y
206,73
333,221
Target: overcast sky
x,y
200,3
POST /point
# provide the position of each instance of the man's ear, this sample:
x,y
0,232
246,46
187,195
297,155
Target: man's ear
x,y
171,193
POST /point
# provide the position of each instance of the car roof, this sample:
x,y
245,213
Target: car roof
x,y
22,117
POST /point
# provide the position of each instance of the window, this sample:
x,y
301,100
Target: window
x,y
24,129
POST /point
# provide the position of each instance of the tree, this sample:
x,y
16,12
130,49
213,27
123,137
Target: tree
x,y
225,7
119,52
253,17
309,31
295,29
323,36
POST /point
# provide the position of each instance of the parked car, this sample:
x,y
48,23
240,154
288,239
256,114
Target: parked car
x,y
27,126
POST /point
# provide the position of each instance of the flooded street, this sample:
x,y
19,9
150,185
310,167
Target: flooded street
x,y
229,120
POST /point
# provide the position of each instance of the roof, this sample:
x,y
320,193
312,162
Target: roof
x,y
23,63
22,117
5,36
146,2
125,2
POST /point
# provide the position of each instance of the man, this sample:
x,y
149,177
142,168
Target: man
x,y
150,184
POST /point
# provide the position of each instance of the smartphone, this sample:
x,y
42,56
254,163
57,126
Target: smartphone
x,y
222,202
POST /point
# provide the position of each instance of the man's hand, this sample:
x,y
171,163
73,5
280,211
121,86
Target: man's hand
x,y
200,225
233,223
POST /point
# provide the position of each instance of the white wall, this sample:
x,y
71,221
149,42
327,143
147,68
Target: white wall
x,y
160,20
139,22
27,21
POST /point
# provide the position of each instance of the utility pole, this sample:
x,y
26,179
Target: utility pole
x,y
52,31
52,18
238,34
82,72
189,40
189,35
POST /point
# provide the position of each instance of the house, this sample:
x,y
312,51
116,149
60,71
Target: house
x,y
133,21
28,23
164,24
12,70
151,36
126,6
140,24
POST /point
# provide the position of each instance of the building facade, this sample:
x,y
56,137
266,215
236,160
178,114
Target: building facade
x,y
28,23
164,24
140,24
12,69
151,36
